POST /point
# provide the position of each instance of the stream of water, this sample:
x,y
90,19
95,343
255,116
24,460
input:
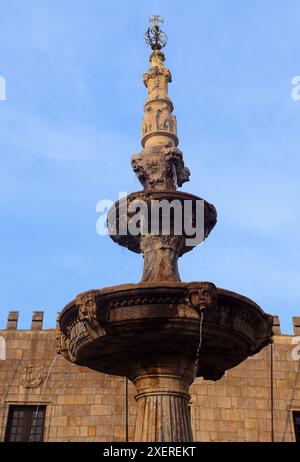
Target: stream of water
x,y
36,414
200,342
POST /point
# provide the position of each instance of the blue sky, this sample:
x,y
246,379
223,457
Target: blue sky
x,y
72,119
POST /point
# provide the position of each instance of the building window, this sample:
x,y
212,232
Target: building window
x,y
296,416
25,423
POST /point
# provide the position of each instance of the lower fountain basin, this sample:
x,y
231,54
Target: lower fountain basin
x,y
114,329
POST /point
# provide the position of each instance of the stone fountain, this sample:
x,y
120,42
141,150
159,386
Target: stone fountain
x,y
161,333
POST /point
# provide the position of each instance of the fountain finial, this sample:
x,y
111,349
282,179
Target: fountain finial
x,y
159,124
154,36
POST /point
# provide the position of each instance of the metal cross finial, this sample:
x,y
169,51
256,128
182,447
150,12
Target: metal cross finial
x,y
156,19
154,36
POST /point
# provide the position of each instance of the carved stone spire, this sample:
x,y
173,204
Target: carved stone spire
x,y
172,222
159,166
159,124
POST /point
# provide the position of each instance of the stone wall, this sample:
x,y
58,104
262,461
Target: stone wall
x,y
82,405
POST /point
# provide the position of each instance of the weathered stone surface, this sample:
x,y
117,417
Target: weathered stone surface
x,y
37,320
160,257
160,168
121,214
216,408
159,123
162,403
12,321
32,375
162,333
150,318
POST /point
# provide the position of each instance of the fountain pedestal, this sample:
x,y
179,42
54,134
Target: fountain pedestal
x,y
162,403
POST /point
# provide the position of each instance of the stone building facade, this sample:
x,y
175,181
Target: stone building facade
x,y
82,405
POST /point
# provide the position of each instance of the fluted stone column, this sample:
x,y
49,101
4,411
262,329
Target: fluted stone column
x,y
162,405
